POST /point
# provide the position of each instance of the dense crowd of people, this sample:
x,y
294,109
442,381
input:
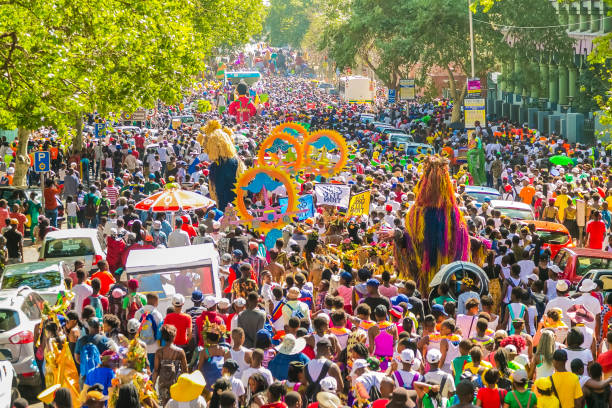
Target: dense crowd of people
x,y
301,324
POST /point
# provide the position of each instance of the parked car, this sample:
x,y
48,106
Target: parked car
x,y
366,118
479,194
400,139
46,278
20,312
576,262
414,149
554,235
515,210
604,275
72,244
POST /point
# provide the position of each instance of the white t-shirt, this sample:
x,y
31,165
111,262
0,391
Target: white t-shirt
x,y
246,374
178,238
591,304
81,292
562,303
585,355
467,324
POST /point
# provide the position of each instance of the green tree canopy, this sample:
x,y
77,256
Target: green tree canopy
x,y
288,21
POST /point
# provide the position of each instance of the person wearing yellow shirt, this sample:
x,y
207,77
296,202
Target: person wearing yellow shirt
x,y
561,203
565,385
477,366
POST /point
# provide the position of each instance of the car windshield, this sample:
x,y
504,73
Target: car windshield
x,y
481,195
553,237
587,263
516,213
68,247
9,319
41,280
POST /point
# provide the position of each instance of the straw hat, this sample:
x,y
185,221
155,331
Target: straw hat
x,y
188,387
291,345
328,400
48,395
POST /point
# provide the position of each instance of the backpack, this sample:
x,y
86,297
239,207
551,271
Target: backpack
x,y
96,303
297,312
475,379
134,305
90,358
90,206
512,317
315,386
104,207
149,332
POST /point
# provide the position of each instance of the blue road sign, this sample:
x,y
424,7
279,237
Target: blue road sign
x,y
42,161
391,98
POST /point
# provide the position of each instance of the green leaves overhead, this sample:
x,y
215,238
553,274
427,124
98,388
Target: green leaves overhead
x,y
59,57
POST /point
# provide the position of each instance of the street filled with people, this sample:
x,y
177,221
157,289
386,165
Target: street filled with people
x,y
208,261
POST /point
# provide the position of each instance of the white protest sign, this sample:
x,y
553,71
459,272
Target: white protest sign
x,y
337,195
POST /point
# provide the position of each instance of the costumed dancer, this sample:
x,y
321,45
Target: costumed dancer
x,y
134,372
225,167
476,160
60,369
242,108
436,233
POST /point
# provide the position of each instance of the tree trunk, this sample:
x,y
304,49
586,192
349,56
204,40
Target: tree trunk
x,y
457,98
77,143
22,161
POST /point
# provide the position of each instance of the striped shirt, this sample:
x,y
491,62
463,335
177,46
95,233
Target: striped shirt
x,y
112,194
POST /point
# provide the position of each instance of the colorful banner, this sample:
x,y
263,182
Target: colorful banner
x,y
359,205
305,206
337,195
473,88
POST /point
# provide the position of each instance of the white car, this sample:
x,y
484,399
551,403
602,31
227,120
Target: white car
x,y
20,312
46,278
515,210
8,384
70,245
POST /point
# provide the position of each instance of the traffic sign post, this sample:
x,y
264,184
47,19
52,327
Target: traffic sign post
x,y
42,164
392,94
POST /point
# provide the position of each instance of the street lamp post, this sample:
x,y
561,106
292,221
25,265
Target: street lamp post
x,y
471,38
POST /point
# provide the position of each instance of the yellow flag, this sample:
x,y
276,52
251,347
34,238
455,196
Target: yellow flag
x,y
359,205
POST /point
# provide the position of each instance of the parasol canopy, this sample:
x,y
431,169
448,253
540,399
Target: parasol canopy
x,y
561,160
174,199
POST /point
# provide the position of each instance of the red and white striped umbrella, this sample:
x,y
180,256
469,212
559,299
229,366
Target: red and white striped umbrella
x,y
174,199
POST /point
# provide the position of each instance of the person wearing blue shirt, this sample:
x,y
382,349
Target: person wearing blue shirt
x,y
288,351
104,373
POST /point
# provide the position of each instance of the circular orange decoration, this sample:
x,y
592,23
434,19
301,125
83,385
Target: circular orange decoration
x,y
272,152
316,148
293,129
262,180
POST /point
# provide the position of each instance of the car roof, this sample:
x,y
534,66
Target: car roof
x,y
599,272
9,297
510,204
480,189
398,134
73,233
593,253
547,226
34,267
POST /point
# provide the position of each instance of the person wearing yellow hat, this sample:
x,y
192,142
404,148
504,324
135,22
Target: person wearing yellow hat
x,y
188,389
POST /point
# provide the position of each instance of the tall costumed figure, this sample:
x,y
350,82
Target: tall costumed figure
x,y
225,165
242,108
436,233
476,160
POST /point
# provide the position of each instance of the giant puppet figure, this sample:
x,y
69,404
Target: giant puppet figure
x,y
242,108
476,160
225,165
436,233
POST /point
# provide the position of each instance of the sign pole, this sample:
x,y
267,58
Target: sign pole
x,y
42,190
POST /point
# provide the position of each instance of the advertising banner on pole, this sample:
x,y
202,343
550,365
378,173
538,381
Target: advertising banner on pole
x,y
474,111
407,90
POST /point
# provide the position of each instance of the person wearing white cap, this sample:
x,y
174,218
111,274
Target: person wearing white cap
x,y
436,376
406,376
591,303
562,301
363,379
180,320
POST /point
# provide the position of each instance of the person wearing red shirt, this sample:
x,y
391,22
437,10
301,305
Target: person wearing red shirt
x,y
605,359
211,314
106,278
596,231
21,218
491,396
242,108
181,321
